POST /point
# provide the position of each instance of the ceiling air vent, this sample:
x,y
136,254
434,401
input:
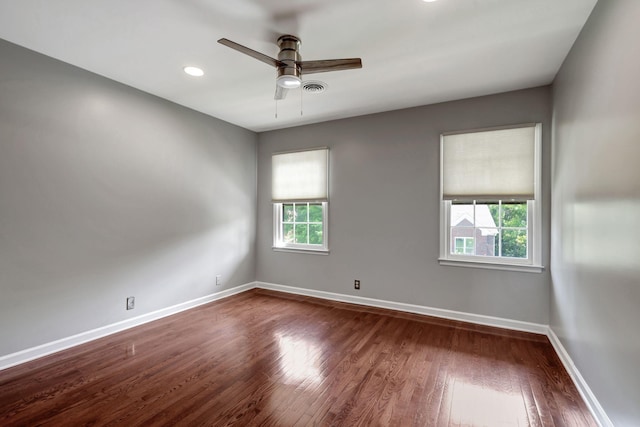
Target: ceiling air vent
x,y
314,86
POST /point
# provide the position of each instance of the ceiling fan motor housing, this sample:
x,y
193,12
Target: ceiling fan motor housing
x,y
289,55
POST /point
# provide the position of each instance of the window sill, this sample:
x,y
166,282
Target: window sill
x,y
301,251
492,265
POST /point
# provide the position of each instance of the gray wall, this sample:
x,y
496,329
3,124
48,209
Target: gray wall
x,y
595,265
384,210
107,192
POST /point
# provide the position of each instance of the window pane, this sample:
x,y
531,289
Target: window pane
x,y
494,210
288,214
302,233
459,245
301,213
315,213
486,239
500,229
301,224
315,234
487,214
514,243
468,246
287,231
514,214
461,215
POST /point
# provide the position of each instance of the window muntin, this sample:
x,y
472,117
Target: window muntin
x,y
490,229
300,225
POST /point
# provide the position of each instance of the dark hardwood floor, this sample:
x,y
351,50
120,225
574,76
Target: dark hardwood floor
x,y
268,359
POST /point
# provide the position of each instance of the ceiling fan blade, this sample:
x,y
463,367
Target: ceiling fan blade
x,y
325,65
253,53
281,93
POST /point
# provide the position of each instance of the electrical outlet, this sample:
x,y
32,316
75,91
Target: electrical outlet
x,y
218,280
356,284
131,303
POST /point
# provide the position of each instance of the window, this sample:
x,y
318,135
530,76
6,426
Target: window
x,y
490,189
300,225
300,200
464,245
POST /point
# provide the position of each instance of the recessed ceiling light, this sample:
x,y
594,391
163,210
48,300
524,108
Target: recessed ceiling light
x,y
428,1
194,71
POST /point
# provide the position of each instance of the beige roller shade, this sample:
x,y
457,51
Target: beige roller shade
x,y
489,165
300,176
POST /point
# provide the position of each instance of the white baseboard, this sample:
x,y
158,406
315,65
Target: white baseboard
x,y
29,354
411,308
582,386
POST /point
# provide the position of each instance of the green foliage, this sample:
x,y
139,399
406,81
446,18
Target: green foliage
x,y
315,234
288,233
514,243
302,231
315,213
301,212
514,215
288,213
302,223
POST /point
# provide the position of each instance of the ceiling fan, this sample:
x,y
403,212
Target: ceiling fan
x,y
290,66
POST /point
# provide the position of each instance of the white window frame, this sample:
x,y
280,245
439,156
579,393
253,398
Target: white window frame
x,y
279,243
534,223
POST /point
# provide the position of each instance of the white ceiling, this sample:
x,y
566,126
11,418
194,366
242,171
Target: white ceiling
x,y
413,53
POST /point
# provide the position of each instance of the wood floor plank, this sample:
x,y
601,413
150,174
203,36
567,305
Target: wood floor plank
x,y
264,358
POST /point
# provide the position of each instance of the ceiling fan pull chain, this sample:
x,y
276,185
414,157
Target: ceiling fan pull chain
x,y
300,102
276,108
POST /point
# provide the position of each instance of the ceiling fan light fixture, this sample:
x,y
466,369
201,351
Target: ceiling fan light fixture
x,y
288,81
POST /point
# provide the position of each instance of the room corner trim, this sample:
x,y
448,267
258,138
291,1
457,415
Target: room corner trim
x,y
479,319
583,388
46,349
